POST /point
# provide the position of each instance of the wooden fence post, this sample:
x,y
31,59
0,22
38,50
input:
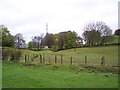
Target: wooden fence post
x,y
103,61
55,59
85,59
61,59
71,61
31,58
28,57
43,58
40,58
25,58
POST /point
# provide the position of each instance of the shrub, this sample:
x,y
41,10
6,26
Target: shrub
x,y
11,54
15,54
54,48
5,54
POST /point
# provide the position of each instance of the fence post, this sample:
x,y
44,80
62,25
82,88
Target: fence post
x,y
55,59
40,58
103,61
61,59
25,58
71,61
32,58
85,59
43,58
28,57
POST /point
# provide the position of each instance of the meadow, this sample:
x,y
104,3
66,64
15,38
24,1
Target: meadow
x,y
94,55
33,74
16,75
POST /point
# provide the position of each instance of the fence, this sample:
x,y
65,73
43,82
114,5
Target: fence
x,y
61,59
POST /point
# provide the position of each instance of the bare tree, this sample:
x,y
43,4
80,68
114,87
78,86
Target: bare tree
x,y
96,33
37,40
19,40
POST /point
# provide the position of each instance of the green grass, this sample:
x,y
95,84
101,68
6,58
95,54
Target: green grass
x,y
61,76
116,39
16,75
94,55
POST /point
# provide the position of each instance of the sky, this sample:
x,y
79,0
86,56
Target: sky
x,y
29,17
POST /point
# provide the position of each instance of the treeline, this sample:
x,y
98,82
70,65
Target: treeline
x,y
94,34
62,40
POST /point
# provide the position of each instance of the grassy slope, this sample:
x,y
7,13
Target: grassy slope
x,y
17,76
94,55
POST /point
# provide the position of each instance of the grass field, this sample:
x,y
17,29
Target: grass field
x,y
44,76
94,55
18,75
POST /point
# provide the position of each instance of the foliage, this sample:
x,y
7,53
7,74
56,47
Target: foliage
x,y
49,40
7,38
31,45
62,39
92,37
97,34
70,40
19,40
11,54
117,32
54,48
36,41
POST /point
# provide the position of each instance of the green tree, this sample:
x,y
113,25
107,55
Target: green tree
x,y
70,40
62,39
97,33
92,37
55,38
7,38
30,45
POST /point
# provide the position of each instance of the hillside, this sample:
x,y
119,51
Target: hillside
x,y
94,55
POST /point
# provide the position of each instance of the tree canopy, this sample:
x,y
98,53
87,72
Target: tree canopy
x,y
7,38
97,33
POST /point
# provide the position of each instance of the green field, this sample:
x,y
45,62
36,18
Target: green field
x,y
37,75
16,75
94,55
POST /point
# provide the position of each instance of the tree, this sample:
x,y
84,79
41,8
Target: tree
x,y
70,40
91,37
97,33
36,40
7,38
30,45
117,32
19,40
55,38
49,40
62,39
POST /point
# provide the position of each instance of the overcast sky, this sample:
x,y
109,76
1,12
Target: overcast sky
x,y
29,17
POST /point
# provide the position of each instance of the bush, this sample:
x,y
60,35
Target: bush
x,y
36,49
54,48
15,54
11,54
5,54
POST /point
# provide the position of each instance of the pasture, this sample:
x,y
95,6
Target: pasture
x,y
94,55
16,75
33,74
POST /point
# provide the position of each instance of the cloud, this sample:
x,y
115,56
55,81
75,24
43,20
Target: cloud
x,y
30,16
